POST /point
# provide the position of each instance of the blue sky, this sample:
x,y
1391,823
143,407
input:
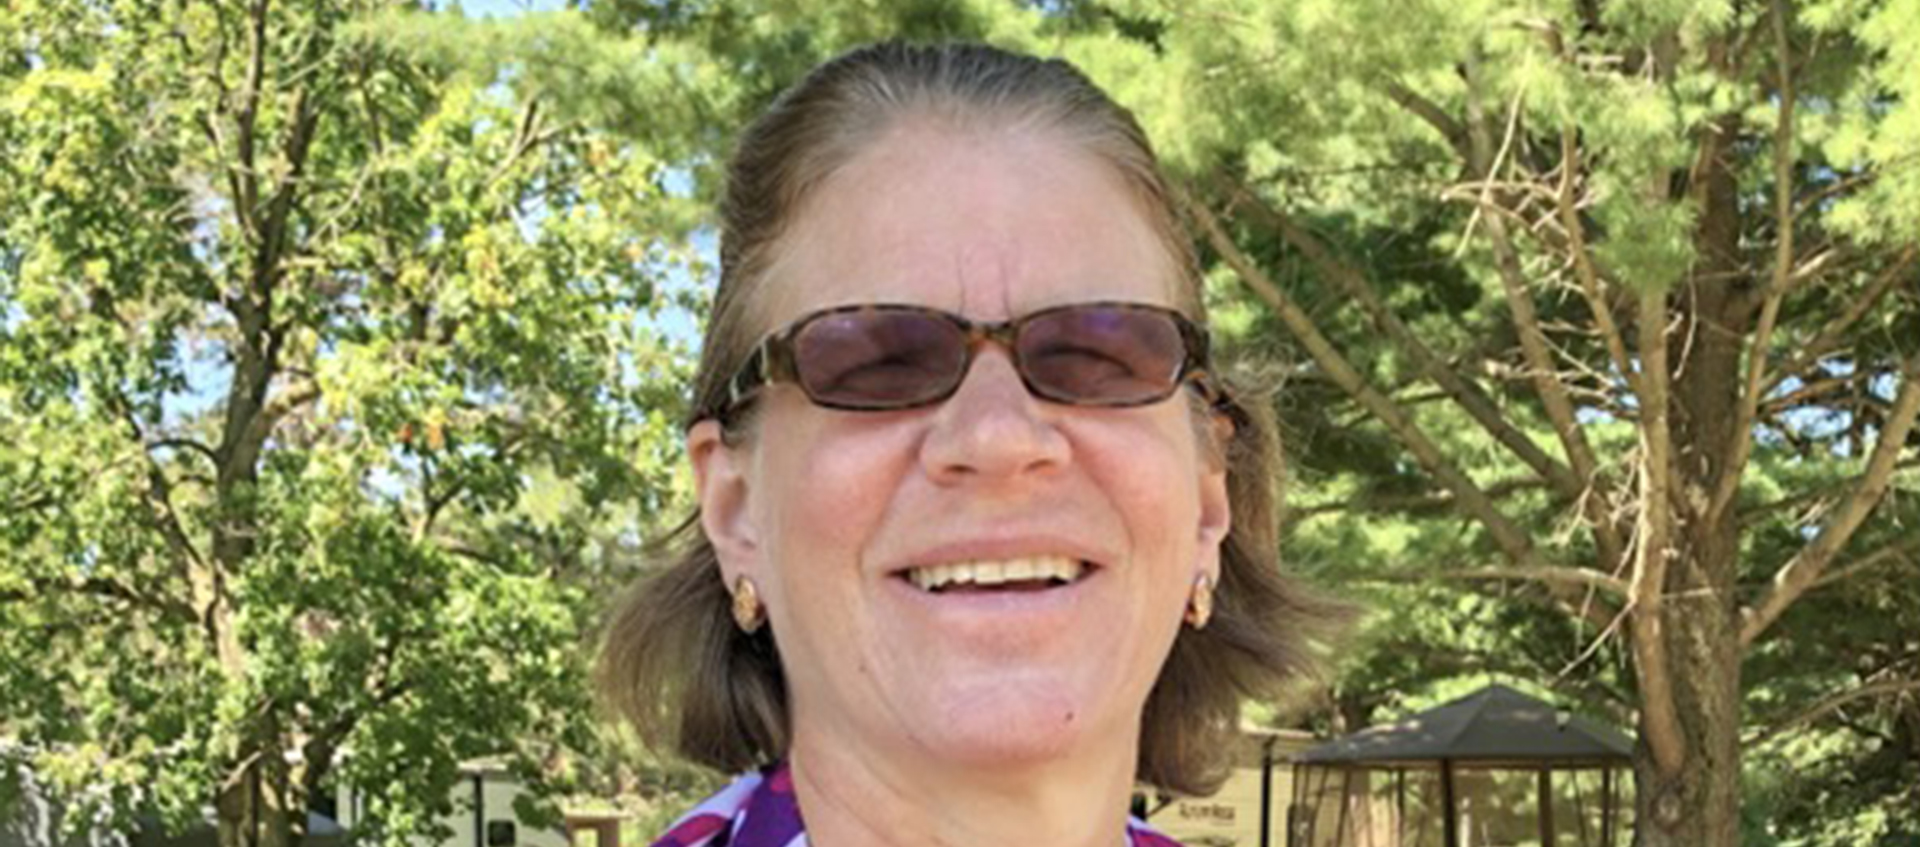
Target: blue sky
x,y
209,377
508,8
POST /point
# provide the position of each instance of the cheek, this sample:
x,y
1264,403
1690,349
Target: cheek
x,y
1152,475
828,485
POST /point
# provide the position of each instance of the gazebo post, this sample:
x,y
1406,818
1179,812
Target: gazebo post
x,y
1580,805
1399,807
1319,798
1266,793
1302,774
1606,806
1346,796
1449,826
1546,807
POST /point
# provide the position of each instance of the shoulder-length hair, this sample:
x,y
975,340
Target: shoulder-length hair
x,y
674,664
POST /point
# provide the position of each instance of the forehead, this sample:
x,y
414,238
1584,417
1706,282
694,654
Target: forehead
x,y
988,223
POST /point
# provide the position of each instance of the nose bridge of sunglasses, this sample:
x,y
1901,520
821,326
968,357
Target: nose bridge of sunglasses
x,y
1003,334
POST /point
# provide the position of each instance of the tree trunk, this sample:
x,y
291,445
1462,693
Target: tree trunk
x,y
259,806
1699,804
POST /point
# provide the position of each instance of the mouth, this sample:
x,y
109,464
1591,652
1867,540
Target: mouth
x,y
1032,573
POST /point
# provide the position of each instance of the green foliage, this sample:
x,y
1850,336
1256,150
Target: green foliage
x,y
1391,132
447,336
333,401
1880,122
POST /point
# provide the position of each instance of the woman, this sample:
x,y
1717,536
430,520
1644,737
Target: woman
x,y
966,482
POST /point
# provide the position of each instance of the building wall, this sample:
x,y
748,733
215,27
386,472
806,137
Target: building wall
x,y
1231,817
496,793
29,818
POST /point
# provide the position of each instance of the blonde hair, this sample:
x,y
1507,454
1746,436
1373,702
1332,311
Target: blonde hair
x,y
674,664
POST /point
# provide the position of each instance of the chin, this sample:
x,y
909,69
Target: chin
x,y
1013,724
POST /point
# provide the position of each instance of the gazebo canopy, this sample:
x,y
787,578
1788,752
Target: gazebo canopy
x,y
1495,726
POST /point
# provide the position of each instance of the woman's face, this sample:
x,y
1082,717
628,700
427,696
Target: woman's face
x,y
830,512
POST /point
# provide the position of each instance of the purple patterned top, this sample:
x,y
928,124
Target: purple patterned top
x,y
759,810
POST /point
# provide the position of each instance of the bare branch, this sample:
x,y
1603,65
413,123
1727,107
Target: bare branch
x,y
273,237
1654,540
159,499
1583,264
246,204
288,401
1583,577
435,504
32,501
524,138
167,518
1804,569
1837,188
1473,501
1806,393
1824,260
1741,447
1570,590
1430,112
103,587
376,131
1901,550
1820,496
251,416
1857,308
1610,630
1472,399
187,444
1420,502
1535,347
1481,158
1833,702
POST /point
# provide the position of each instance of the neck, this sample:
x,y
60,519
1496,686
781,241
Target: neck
x,y
855,796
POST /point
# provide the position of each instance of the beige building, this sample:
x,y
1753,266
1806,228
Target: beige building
x,y
1250,810
482,813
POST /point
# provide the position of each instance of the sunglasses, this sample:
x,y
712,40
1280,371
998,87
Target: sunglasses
x,y
891,357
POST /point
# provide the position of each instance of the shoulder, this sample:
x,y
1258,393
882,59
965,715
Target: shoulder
x,y
1141,835
713,817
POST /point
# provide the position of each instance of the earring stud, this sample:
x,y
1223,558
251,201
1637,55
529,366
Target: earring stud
x,y
748,612
1200,602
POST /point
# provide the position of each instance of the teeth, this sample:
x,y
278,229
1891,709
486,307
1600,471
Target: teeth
x,y
995,572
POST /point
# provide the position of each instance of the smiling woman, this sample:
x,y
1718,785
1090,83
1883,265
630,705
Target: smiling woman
x,y
967,480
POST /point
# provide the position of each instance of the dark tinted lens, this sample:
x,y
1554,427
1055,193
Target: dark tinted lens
x,y
1102,354
878,358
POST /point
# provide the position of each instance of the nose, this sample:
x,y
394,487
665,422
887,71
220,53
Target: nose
x,y
992,428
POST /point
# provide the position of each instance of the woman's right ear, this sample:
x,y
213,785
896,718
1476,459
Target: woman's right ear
x,y
722,488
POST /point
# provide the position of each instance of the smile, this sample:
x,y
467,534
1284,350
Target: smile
x,y
1028,573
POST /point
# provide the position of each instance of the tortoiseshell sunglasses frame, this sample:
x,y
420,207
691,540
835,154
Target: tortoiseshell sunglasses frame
x,y
772,360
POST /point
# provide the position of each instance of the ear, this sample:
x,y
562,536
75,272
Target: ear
x,y
721,485
1216,518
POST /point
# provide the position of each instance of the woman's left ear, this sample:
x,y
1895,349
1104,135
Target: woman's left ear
x,y
721,486
1216,518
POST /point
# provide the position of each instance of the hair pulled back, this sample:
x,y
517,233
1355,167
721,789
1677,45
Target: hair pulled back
x,y
674,664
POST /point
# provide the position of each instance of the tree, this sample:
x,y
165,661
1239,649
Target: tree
x,y
1669,253
330,399
1594,319
1601,308
1834,747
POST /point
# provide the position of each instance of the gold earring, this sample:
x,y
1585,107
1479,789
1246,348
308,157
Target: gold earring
x,y
748,612
1200,602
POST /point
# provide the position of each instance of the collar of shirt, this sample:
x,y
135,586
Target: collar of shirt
x,y
759,810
